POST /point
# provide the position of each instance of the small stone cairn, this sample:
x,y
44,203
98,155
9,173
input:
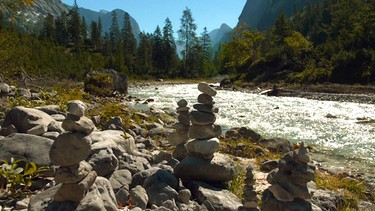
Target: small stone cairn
x,y
250,197
202,162
69,152
180,136
288,190
202,130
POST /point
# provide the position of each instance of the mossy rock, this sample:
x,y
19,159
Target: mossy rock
x,y
106,82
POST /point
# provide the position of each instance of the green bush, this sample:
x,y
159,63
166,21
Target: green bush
x,y
16,180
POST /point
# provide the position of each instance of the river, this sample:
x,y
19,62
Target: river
x,y
331,127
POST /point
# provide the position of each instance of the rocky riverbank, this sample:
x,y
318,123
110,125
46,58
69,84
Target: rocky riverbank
x,y
130,166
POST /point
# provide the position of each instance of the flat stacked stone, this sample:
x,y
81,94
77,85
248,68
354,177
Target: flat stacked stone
x,y
69,151
250,197
202,163
289,189
203,130
180,136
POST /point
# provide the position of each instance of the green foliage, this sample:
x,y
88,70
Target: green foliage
x,y
237,184
99,84
353,190
16,180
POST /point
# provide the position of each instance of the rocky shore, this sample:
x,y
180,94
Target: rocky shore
x,y
137,167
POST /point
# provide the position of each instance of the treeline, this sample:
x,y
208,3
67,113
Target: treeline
x,y
331,41
68,47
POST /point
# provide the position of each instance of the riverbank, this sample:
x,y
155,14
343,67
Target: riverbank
x,y
326,92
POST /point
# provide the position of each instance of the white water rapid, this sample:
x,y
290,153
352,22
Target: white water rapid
x,y
296,119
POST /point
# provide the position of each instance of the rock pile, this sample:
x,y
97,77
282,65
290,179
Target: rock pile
x,y
203,131
69,151
201,164
288,190
250,197
180,136
76,176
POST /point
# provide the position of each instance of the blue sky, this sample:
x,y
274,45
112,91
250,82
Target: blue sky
x,y
150,13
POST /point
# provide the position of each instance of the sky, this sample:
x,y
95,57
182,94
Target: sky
x,y
150,13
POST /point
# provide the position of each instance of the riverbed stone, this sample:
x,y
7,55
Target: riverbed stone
x,y
202,118
76,108
81,124
220,169
203,148
204,131
206,108
205,99
27,147
73,173
75,191
205,88
69,149
25,119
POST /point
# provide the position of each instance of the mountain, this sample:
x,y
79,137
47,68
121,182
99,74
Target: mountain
x,y
106,18
220,35
41,8
261,14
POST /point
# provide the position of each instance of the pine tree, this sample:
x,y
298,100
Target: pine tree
x,y
157,52
62,32
83,28
187,36
144,54
169,48
129,43
48,27
114,32
75,25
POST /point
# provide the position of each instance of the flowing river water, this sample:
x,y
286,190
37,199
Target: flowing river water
x,y
331,127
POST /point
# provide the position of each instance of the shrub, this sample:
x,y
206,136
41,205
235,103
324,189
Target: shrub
x,y
16,180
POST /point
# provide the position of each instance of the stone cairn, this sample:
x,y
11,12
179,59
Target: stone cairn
x,y
288,190
202,130
180,136
250,197
69,151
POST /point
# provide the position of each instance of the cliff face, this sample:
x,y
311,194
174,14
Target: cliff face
x,y
261,14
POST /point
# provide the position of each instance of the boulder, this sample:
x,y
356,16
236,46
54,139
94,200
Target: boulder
x,y
26,147
4,89
100,196
103,161
25,119
215,198
120,138
220,169
139,197
106,82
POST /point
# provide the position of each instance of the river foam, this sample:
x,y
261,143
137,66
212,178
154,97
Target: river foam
x,y
327,125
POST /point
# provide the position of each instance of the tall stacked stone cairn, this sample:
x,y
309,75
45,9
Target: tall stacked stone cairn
x,y
250,197
288,190
202,163
180,136
69,152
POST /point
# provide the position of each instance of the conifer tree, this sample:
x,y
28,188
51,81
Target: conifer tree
x,y
169,48
187,36
129,43
75,25
114,31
